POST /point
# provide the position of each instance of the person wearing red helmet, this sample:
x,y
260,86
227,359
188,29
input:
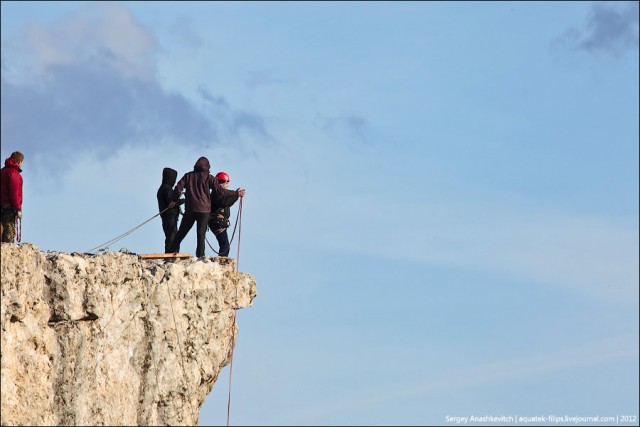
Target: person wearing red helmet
x,y
220,212
223,178
11,195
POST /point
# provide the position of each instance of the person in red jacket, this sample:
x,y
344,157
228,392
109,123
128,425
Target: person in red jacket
x,y
11,195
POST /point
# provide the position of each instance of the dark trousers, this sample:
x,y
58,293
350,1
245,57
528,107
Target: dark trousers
x,y
8,228
170,228
188,219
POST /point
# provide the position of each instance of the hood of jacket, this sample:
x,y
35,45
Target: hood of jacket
x,y
202,165
12,163
169,176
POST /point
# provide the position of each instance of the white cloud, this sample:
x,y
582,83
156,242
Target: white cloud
x,y
100,33
87,85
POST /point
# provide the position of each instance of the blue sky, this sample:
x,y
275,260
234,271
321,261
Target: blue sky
x,y
442,197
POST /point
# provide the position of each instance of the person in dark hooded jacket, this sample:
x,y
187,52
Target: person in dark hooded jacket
x,y
198,186
169,215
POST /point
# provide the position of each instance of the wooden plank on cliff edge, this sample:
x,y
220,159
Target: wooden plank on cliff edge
x,y
161,256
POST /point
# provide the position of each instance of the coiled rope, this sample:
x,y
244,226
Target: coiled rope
x,y
18,229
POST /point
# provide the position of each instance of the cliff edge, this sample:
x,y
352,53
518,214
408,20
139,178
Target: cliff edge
x,y
112,339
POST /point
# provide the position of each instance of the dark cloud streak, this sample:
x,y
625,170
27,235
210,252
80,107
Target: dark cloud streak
x,y
353,129
80,108
611,28
97,92
234,122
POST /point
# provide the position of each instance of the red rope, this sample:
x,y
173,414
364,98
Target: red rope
x,y
239,231
235,226
233,327
233,342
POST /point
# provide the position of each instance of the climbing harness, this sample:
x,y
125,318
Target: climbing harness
x,y
105,246
233,327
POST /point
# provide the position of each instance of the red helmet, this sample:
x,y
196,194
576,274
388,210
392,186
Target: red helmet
x,y
222,176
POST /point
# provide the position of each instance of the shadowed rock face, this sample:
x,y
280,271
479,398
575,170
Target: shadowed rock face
x,y
114,340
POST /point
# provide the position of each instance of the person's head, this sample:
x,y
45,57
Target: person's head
x,y
17,157
223,179
202,165
169,176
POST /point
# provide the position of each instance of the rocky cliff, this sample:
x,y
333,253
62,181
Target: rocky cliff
x,y
112,339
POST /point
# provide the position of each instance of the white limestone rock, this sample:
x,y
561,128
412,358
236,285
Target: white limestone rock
x,y
112,339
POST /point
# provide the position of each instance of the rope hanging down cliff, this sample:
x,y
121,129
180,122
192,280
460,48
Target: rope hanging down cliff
x,y
233,326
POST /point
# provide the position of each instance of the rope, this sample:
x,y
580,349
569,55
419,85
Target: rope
x,y
117,308
123,235
130,321
18,229
184,371
104,328
232,234
236,224
207,240
155,364
119,337
233,327
239,230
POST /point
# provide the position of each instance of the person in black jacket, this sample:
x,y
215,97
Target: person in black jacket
x,y
197,186
220,212
169,215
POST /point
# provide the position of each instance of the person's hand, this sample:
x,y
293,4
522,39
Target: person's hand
x,y
19,214
172,205
240,192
